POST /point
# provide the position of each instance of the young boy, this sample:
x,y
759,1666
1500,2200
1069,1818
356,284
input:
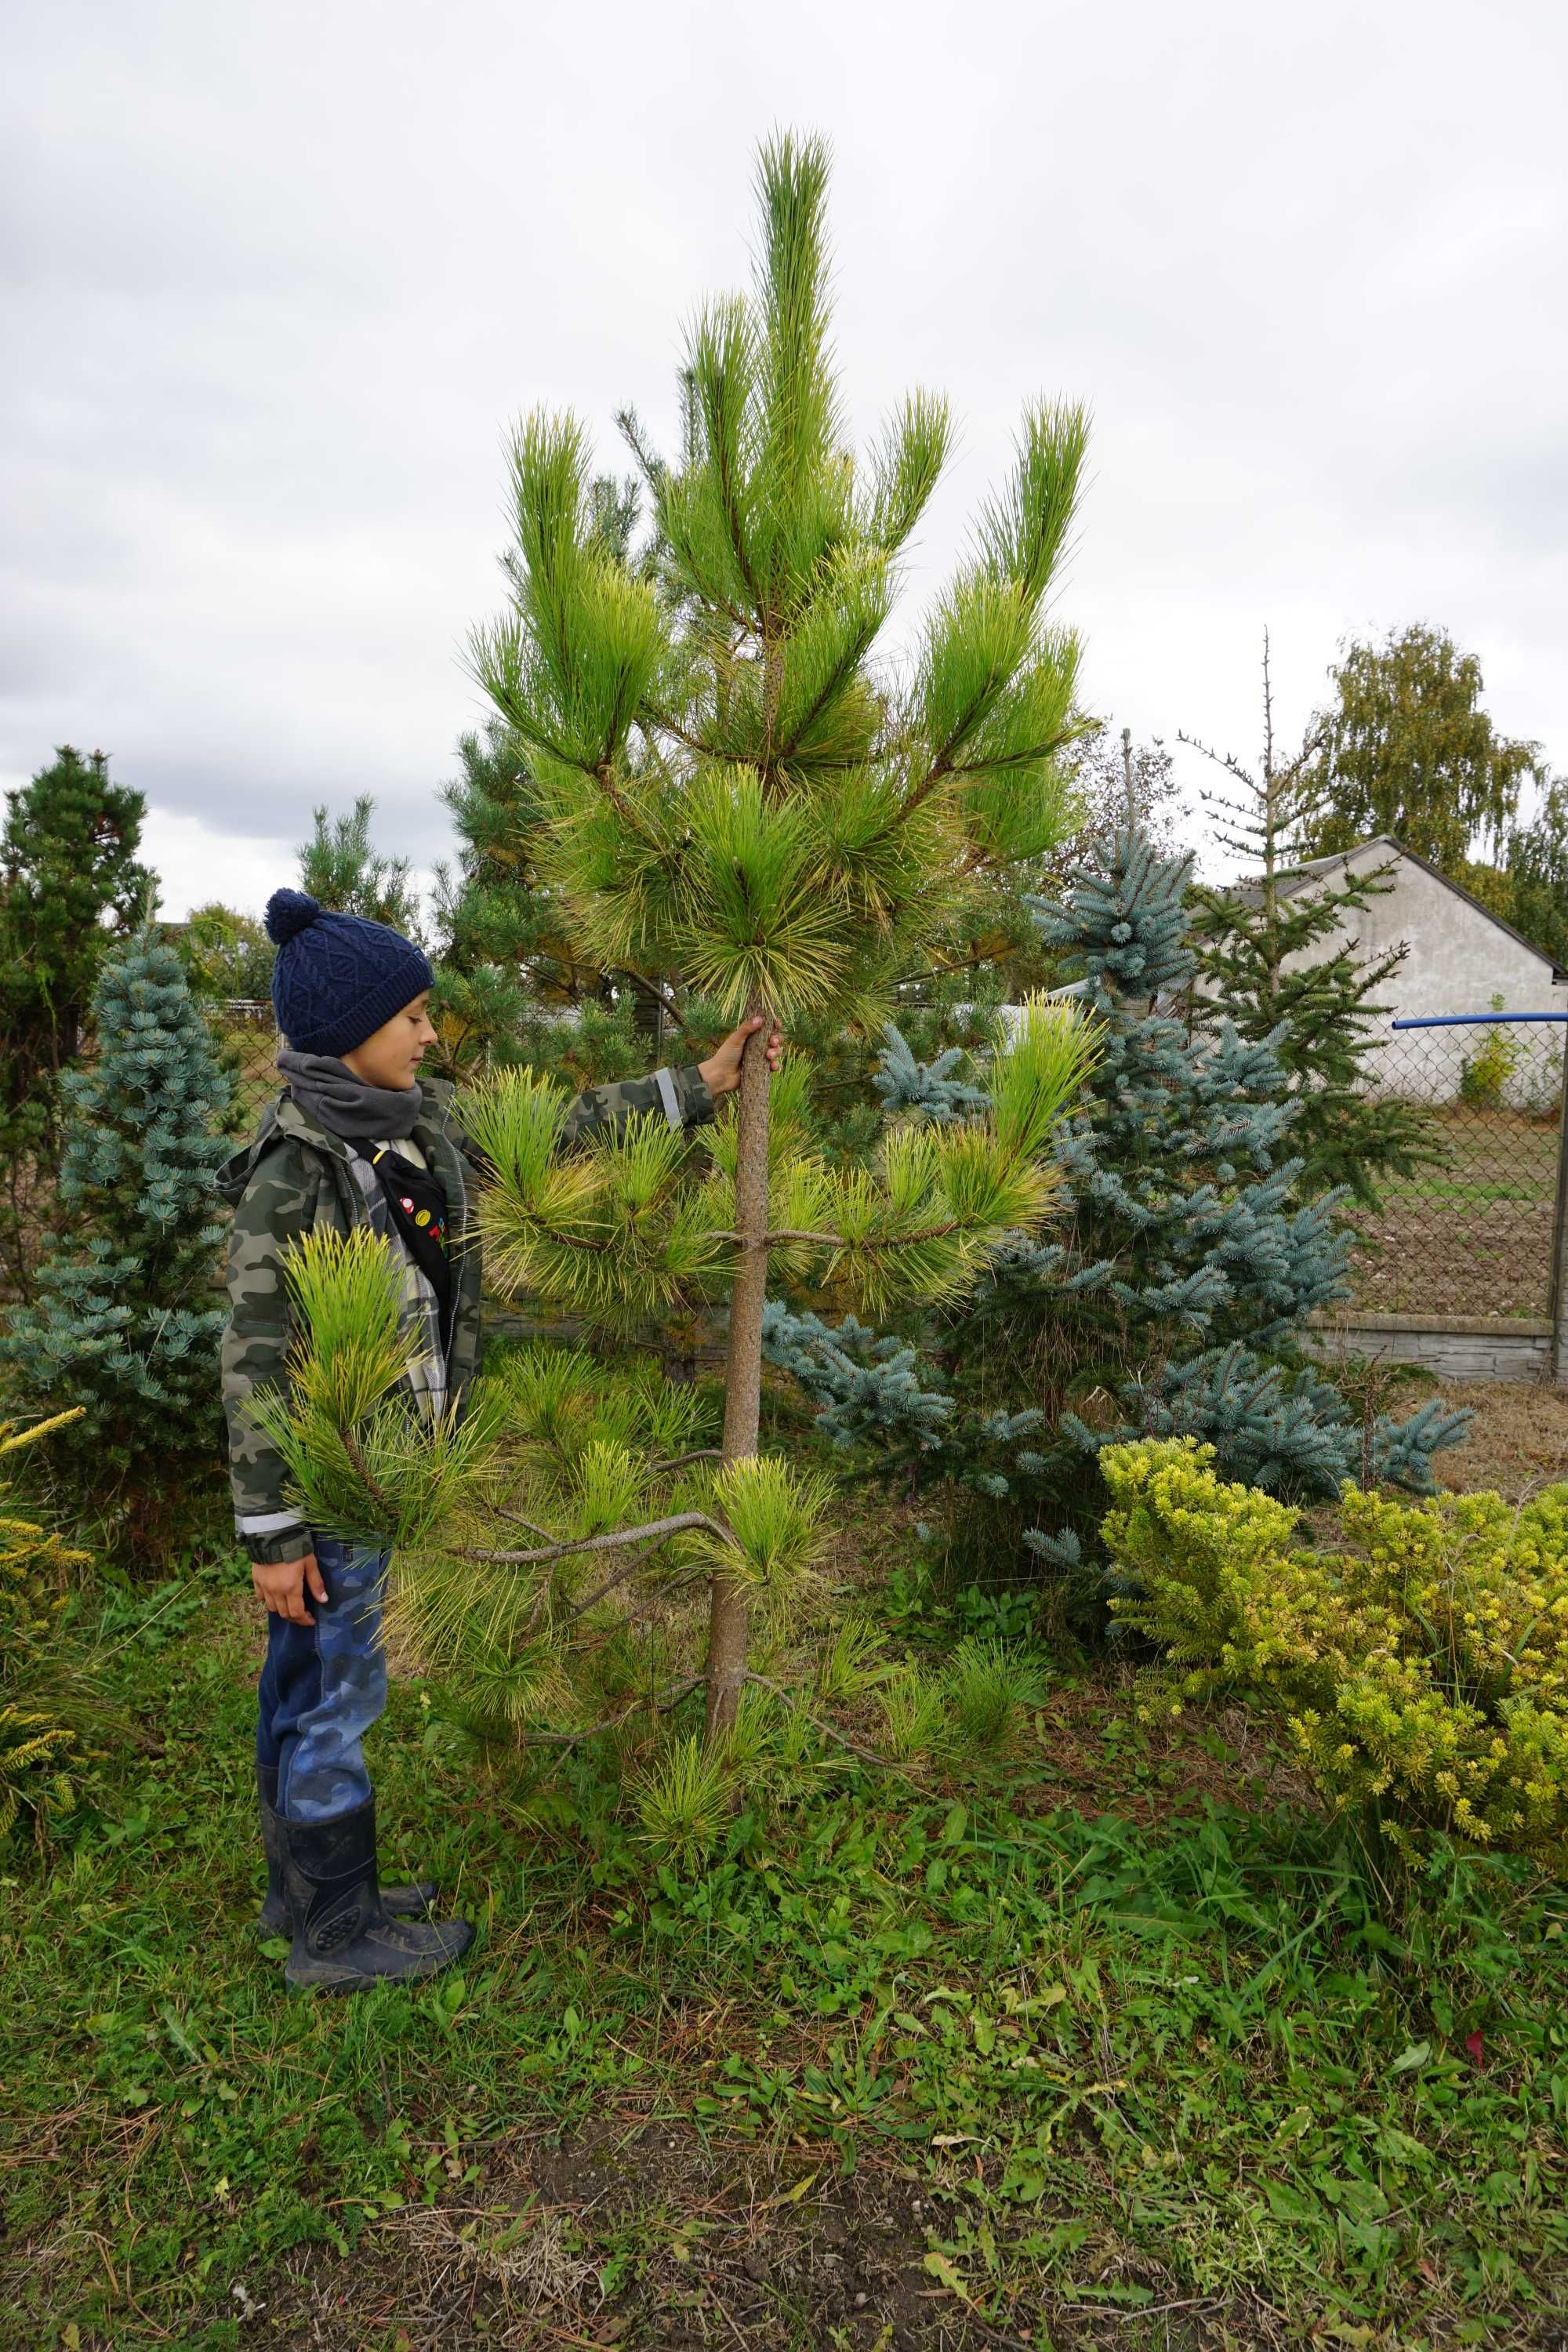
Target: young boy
x,y
355,1140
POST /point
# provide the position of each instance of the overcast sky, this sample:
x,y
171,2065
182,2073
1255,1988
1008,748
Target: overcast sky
x,y
277,276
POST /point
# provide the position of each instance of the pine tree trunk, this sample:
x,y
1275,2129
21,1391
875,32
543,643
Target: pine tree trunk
x,y
743,1363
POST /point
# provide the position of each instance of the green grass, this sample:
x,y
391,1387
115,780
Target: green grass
x,y
1163,2076
1461,1192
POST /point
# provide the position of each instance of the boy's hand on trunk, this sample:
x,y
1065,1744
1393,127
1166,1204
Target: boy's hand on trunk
x,y
721,1070
281,1583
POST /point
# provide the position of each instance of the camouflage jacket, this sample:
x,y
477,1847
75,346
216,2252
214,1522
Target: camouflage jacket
x,y
293,1176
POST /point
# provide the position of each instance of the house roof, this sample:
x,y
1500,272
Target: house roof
x,y
1302,874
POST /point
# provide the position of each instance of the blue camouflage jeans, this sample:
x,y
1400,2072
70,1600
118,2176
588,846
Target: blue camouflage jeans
x,y
323,1686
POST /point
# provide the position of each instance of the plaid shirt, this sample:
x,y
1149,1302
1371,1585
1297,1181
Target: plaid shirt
x,y
418,1309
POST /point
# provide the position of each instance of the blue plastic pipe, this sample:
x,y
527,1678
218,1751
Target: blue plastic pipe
x,y
1464,1020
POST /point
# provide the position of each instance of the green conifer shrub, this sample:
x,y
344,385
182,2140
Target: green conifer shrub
x,y
128,1314
341,867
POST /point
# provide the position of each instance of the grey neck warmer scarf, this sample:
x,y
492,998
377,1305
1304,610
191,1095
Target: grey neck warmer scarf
x,y
331,1095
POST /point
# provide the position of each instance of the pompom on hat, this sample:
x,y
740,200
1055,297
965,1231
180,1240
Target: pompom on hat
x,y
337,978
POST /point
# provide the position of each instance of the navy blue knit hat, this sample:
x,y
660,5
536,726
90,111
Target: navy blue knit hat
x,y
337,977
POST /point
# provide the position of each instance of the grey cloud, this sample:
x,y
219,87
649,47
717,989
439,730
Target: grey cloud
x,y
274,280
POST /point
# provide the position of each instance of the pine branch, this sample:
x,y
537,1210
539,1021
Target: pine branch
x,y
766,1241
569,1241
604,776
940,767
356,1462
725,461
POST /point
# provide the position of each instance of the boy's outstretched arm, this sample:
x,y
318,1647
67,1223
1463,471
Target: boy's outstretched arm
x,y
684,1095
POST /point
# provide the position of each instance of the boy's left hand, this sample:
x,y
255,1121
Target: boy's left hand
x,y
721,1070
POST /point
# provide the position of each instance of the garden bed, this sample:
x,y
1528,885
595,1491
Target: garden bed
x,y
1471,1235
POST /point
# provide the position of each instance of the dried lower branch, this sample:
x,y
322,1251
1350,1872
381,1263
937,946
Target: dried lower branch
x,y
651,988
787,1234
679,1460
675,1525
838,1242
610,1582
516,1519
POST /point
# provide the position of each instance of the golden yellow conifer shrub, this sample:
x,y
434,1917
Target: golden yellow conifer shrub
x,y
1423,1669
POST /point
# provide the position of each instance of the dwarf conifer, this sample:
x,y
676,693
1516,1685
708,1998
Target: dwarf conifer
x,y
128,1314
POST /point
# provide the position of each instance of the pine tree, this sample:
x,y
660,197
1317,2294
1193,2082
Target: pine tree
x,y
1274,962
1173,1301
128,1319
492,910
731,797
340,866
69,880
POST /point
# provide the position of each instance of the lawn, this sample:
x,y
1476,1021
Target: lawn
x,y
1109,2042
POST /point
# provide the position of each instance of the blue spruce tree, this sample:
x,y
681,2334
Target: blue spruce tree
x,y
128,1316
1173,1299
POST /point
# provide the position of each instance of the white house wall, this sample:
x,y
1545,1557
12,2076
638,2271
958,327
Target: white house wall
x,y
1458,960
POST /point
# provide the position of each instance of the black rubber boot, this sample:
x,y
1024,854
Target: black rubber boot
x,y
344,1937
399,1902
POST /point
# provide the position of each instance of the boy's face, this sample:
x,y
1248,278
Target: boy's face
x,y
391,1056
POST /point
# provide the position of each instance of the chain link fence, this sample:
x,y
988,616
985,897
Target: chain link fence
x,y
1472,1232
246,1035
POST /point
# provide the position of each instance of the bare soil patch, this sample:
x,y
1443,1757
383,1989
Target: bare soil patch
x,y
724,2245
